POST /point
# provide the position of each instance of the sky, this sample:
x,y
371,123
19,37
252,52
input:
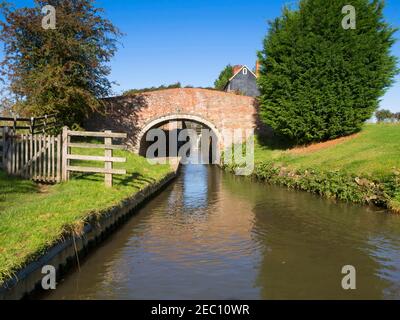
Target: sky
x,y
191,41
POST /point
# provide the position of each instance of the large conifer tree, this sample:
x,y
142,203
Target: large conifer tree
x,y
318,80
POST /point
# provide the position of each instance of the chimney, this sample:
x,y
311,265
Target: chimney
x,y
236,68
257,68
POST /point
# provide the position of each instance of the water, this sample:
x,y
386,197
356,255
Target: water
x,y
211,235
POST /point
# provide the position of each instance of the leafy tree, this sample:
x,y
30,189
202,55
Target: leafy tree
x,y
223,78
162,87
62,70
319,81
383,115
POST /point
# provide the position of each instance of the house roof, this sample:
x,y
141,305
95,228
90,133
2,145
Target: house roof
x,y
237,69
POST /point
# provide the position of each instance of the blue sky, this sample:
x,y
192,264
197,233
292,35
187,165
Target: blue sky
x,y
192,40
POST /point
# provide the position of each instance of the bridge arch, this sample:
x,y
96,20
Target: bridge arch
x,y
159,121
136,114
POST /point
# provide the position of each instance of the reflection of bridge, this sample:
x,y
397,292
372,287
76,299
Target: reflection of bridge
x,y
136,115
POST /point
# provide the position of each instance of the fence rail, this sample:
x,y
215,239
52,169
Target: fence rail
x,y
32,125
47,158
108,157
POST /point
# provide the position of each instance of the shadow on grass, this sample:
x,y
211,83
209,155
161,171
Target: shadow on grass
x,y
125,180
11,187
274,141
130,179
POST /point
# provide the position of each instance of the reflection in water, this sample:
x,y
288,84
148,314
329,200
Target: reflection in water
x,y
195,188
216,236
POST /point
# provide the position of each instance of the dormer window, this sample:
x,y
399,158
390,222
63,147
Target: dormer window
x,y
244,71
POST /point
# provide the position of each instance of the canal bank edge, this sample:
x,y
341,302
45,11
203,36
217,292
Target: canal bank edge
x,y
63,255
382,193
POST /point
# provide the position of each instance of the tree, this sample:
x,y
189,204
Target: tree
x,y
383,115
223,78
62,70
130,92
318,80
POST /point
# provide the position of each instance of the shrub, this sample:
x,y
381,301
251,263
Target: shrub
x,y
319,81
223,78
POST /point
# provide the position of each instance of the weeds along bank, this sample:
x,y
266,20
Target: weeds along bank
x,y
33,218
363,169
384,192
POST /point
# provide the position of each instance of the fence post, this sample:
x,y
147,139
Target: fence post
x,y
64,154
4,148
108,165
9,152
45,124
32,125
32,153
59,157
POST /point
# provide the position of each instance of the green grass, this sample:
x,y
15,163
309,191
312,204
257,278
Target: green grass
x,y
33,218
335,170
375,152
13,191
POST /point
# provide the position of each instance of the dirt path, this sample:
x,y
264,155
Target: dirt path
x,y
322,145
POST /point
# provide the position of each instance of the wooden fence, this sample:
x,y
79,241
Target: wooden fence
x,y
36,157
47,158
2,146
108,158
32,125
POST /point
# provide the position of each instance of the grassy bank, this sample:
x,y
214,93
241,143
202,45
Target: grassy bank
x,y
364,168
375,151
33,218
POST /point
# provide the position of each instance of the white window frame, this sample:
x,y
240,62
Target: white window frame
x,y
245,71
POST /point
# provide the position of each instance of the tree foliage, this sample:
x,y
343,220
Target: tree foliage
x,y
130,92
62,70
319,81
386,115
223,77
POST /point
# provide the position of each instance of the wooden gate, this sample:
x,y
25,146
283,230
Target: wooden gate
x,y
37,157
108,159
47,158
2,146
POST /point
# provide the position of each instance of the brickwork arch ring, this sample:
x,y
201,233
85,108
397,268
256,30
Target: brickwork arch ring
x,y
178,117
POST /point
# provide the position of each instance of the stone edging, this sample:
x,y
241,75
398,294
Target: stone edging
x,y
61,255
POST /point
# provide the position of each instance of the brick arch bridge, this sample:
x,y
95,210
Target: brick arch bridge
x,y
139,113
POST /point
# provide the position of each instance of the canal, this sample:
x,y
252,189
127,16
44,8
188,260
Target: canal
x,y
211,235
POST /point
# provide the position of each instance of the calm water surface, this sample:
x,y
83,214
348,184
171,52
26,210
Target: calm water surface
x,y
211,235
